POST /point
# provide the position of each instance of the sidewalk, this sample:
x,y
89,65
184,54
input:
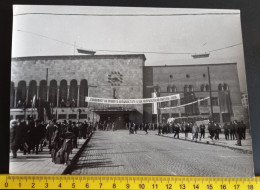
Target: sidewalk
x,y
39,163
246,144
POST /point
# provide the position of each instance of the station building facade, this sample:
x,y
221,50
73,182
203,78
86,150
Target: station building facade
x,y
65,81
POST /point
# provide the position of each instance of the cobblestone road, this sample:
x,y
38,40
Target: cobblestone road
x,y
120,153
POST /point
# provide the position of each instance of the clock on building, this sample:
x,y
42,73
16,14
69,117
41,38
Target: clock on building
x,y
115,78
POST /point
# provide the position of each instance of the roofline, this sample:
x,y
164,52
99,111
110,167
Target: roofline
x,y
123,56
189,65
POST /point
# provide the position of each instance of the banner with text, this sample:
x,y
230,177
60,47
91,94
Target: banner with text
x,y
132,101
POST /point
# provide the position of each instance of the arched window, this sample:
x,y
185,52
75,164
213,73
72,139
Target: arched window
x,y
207,87
202,88
12,95
83,92
32,91
186,88
191,88
21,93
43,90
225,87
220,87
169,88
174,89
53,93
63,92
73,93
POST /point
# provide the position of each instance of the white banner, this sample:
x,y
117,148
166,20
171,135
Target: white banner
x,y
132,101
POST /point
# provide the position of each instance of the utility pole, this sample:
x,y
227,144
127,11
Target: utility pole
x,y
210,95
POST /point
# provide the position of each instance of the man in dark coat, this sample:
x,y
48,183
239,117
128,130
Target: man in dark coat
x,y
49,132
17,136
75,131
239,132
202,131
39,135
226,131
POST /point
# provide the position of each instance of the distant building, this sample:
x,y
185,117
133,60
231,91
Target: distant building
x,y
244,99
65,81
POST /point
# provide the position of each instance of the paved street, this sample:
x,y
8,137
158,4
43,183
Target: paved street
x,y
120,153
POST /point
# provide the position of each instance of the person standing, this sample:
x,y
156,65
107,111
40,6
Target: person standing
x,y
195,132
239,132
75,131
176,128
226,131
244,129
202,131
16,139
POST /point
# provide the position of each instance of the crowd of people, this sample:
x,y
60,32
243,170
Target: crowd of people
x,y
233,131
30,136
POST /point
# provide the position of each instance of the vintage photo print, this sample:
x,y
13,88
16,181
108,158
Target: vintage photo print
x,y
128,91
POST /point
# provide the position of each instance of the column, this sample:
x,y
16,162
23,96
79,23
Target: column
x,y
78,96
37,94
15,97
68,93
27,94
58,94
48,89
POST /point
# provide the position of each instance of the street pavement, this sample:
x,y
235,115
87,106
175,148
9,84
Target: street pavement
x,y
110,153
39,163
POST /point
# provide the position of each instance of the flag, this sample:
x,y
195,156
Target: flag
x,y
191,109
225,104
154,105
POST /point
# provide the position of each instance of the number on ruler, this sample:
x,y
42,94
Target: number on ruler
x,y
182,186
141,186
33,185
87,185
223,186
209,186
169,186
114,185
155,186
127,186
100,185
73,185
250,187
236,186
196,186
46,185
59,185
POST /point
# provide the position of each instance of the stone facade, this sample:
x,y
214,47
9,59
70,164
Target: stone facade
x,y
121,77
180,76
96,70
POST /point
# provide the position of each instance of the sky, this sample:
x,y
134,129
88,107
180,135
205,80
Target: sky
x,y
166,36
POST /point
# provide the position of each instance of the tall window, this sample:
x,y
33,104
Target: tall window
x,y
83,92
43,90
214,101
63,91
73,92
220,87
204,102
21,92
186,88
32,91
202,88
53,93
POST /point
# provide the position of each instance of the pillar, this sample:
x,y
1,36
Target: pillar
x,y
58,94
48,89
68,92
27,94
15,97
37,94
78,96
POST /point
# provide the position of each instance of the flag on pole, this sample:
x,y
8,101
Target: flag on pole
x,y
154,105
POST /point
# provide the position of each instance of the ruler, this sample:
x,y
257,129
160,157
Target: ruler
x,y
126,182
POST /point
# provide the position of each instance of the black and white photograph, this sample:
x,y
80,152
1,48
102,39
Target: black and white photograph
x,y
128,91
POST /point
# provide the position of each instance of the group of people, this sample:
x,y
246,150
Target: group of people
x,y
233,131
30,136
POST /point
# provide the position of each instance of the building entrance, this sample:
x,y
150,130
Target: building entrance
x,y
118,118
